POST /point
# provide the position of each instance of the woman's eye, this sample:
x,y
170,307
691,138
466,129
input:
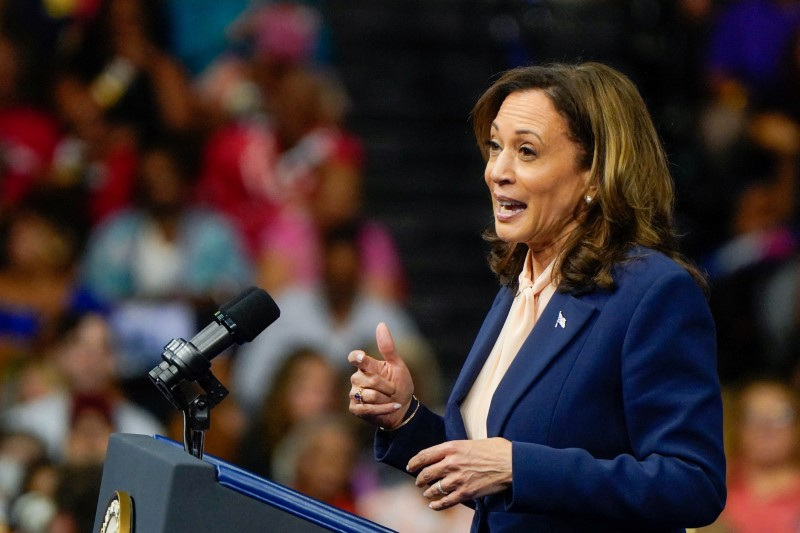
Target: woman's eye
x,y
526,151
493,146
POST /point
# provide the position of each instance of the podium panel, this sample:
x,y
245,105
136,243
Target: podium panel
x,y
172,491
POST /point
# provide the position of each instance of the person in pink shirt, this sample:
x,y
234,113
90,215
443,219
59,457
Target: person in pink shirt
x,y
291,247
764,480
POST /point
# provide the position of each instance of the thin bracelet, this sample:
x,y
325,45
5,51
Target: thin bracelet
x,y
407,420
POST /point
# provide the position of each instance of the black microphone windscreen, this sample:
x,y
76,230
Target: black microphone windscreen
x,y
225,308
252,311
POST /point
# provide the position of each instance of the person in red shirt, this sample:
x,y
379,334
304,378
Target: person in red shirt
x,y
764,480
28,134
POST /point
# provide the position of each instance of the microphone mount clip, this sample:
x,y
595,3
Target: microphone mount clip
x,y
178,377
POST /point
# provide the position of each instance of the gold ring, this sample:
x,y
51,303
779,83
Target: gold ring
x,y
440,489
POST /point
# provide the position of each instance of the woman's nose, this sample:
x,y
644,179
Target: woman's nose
x,y
500,168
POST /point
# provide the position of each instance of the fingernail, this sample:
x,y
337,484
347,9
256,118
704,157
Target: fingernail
x,y
397,406
360,356
408,468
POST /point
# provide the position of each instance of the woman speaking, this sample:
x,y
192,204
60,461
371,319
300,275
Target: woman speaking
x,y
589,400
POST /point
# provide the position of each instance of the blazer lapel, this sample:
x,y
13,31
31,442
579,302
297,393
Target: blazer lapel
x,y
562,319
484,342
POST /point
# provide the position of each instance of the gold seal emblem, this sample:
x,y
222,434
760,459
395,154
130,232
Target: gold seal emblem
x,y
119,514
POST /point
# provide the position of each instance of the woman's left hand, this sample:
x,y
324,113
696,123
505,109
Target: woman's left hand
x,y
461,470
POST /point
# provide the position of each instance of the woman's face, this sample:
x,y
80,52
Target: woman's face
x,y
162,184
86,358
37,245
768,426
325,469
532,171
88,438
313,391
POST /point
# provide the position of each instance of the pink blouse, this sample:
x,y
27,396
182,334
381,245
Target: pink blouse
x,y
531,299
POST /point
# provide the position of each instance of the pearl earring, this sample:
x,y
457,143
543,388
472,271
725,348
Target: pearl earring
x,y
588,199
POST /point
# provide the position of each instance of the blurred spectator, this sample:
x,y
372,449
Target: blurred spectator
x,y
280,37
241,172
305,386
76,498
266,43
19,452
164,264
763,175
123,55
28,378
764,478
62,497
331,319
779,314
90,426
276,118
748,45
237,176
38,273
295,173
165,247
330,162
318,458
41,477
28,134
94,156
33,510
255,166
199,30
85,356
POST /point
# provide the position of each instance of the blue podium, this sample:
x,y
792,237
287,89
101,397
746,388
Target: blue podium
x,y
151,485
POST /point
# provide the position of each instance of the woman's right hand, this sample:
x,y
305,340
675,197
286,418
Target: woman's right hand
x,y
381,390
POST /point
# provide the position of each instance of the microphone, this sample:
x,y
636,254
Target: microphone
x,y
238,321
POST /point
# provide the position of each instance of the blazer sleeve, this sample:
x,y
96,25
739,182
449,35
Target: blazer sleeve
x,y
675,473
395,448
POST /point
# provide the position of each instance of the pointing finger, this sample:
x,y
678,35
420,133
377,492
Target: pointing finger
x,y
363,362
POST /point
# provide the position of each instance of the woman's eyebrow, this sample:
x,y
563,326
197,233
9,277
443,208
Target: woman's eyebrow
x,y
520,132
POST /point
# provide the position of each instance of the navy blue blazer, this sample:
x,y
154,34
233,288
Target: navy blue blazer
x,y
612,406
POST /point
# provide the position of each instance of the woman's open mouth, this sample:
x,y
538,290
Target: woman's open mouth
x,y
508,208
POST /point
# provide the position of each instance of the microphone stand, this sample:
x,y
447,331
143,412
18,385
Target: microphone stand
x,y
186,366
197,413
183,394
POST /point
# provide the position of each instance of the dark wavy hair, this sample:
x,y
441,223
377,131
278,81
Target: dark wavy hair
x,y
617,141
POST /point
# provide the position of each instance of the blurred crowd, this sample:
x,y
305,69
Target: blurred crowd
x,y
156,158
159,156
